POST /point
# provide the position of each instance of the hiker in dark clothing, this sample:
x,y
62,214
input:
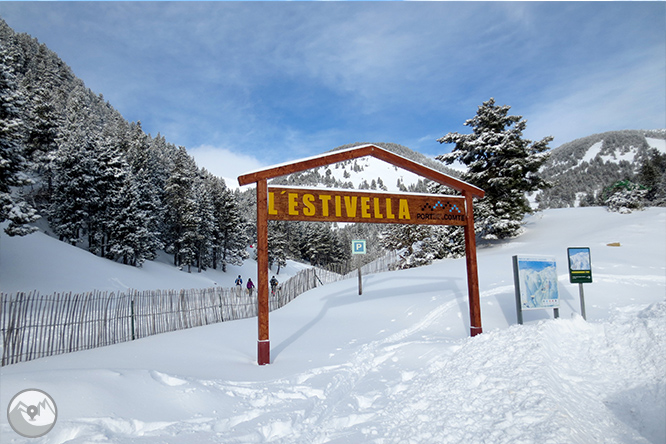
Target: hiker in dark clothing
x,y
274,285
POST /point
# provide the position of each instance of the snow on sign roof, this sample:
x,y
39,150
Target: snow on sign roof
x,y
354,153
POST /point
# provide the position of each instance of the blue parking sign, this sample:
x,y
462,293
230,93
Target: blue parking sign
x,y
358,247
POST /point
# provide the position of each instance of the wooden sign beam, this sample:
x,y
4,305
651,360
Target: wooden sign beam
x,y
333,205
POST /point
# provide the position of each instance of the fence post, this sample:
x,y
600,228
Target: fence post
x,y
132,314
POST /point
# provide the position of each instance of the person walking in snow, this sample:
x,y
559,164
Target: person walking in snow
x,y
274,284
250,286
239,281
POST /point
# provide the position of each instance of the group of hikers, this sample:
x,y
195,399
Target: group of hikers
x,y
250,285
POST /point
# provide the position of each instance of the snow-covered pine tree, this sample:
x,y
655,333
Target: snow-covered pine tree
x,y
501,162
277,244
42,142
652,174
182,212
129,238
206,222
110,171
13,164
229,240
319,244
74,191
148,175
624,196
412,241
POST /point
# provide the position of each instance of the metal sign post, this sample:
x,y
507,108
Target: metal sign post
x,y
358,247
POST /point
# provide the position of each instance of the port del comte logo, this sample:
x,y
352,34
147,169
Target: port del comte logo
x,y
32,413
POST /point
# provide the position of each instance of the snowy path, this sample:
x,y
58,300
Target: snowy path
x,y
565,381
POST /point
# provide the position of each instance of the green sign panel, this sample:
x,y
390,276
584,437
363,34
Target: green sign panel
x,y
580,265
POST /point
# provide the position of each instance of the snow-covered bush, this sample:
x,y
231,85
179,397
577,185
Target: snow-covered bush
x,y
625,196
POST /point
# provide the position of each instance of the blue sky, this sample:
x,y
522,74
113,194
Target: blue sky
x,y
244,84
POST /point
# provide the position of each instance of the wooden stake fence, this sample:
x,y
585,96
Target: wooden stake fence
x,y
35,326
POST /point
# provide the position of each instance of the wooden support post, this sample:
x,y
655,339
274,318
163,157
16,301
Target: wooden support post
x,y
472,269
263,345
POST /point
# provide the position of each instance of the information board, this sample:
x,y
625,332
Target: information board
x,y
580,265
536,282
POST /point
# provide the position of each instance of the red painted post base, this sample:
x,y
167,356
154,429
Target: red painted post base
x,y
475,331
263,352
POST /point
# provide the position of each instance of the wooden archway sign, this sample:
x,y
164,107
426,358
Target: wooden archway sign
x,y
357,207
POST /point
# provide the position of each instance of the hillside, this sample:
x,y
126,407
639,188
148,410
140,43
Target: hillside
x,y
396,364
368,173
581,169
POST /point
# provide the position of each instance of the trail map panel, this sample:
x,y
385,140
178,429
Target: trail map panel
x,y
330,205
537,280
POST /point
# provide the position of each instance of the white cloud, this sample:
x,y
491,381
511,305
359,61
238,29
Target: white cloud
x,y
616,99
225,163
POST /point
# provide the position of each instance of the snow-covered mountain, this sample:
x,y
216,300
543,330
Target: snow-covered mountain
x,y
368,172
585,166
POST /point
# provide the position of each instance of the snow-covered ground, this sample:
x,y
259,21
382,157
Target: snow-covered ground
x,y
42,263
394,365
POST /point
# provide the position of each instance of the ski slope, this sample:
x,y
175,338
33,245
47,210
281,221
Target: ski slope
x,y
396,365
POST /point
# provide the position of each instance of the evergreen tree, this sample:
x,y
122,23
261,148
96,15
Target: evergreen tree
x,y
652,174
147,188
182,210
129,237
231,239
73,183
205,219
277,244
500,162
42,143
320,245
110,178
13,164
413,243
624,196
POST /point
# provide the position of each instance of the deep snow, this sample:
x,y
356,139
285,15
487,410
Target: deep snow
x,y
394,365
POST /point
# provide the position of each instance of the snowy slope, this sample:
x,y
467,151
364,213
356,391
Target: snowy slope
x,y
396,365
629,154
41,263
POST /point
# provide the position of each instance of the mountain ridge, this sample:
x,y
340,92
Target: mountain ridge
x,y
582,168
